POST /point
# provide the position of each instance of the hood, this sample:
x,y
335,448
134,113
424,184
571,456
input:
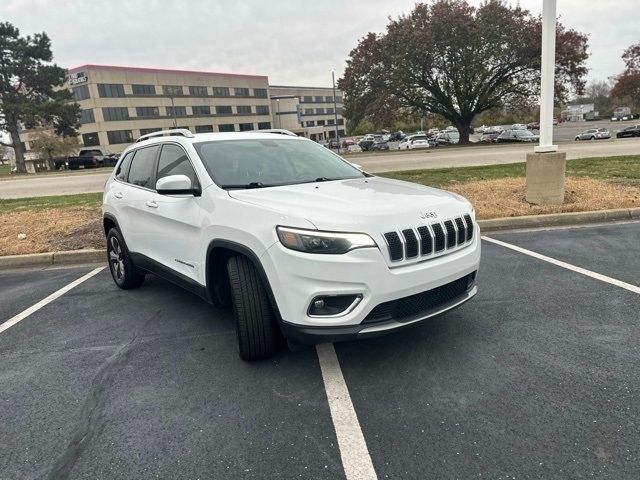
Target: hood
x,y
371,205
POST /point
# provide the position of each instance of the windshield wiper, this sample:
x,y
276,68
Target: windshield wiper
x,y
322,179
247,185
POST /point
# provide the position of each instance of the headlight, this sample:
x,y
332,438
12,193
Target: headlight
x,y
314,241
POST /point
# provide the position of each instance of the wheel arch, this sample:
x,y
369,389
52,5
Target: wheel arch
x,y
218,252
109,222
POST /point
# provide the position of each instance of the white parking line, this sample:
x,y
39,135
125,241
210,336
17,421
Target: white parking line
x,y
356,460
34,308
568,266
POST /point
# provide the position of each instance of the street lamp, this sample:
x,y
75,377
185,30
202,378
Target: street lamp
x,y
335,106
173,113
279,117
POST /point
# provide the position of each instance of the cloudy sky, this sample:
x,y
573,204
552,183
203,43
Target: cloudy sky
x,y
291,41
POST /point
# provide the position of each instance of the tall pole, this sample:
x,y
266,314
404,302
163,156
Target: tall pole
x,y
547,77
173,112
335,106
279,117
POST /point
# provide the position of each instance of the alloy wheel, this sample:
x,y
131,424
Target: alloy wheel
x,y
116,259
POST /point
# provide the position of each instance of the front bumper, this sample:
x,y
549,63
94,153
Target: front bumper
x,y
296,278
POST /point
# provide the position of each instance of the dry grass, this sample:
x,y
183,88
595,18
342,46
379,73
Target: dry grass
x,y
505,197
50,230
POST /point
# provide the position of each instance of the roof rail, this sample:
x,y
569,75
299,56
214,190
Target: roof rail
x,y
280,131
182,132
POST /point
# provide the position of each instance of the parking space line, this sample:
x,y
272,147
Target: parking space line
x,y
568,266
34,308
356,460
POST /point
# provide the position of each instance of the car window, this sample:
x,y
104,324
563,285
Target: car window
x,y
142,165
123,167
174,161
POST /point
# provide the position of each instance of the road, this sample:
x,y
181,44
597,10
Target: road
x,y
536,377
440,157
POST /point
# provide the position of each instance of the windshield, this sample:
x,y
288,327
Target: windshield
x,y
256,163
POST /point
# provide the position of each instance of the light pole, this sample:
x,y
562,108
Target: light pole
x,y
173,113
546,165
335,106
279,117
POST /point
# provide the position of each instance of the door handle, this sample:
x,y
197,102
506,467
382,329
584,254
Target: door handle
x,y
152,204
118,195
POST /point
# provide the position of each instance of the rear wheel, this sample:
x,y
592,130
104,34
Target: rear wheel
x,y
592,137
256,328
124,272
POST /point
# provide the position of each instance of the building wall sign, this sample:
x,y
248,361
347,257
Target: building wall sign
x,y
76,78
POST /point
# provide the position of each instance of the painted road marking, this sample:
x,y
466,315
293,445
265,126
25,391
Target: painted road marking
x,y
34,308
356,460
568,266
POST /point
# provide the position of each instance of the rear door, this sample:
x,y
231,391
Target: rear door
x,y
136,194
174,221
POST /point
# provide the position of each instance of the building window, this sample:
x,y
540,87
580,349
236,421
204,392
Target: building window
x,y
260,92
176,111
113,114
307,99
90,139
320,123
146,131
108,90
339,99
87,116
331,122
319,99
223,110
172,90
119,136
198,91
243,109
328,99
201,110
204,128
339,111
143,89
341,121
244,127
264,125
81,92
230,127
147,111
329,110
320,111
308,111
241,92
262,109
221,92
311,123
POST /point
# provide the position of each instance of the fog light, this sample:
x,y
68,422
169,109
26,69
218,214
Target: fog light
x,y
333,305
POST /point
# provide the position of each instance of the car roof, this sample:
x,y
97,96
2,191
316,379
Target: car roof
x,y
217,136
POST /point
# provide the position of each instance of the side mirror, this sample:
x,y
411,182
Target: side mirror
x,y
176,185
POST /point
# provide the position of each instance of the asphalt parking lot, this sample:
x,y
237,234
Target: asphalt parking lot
x,y
537,377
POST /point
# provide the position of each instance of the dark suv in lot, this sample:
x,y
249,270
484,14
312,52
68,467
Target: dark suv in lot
x,y
631,131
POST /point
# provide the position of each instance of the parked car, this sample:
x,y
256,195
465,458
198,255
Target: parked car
x,y
533,126
593,134
235,221
354,148
489,136
414,141
380,144
92,158
481,129
510,136
518,126
630,131
333,143
368,140
448,137
397,136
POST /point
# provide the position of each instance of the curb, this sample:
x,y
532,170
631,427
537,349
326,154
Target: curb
x,y
78,257
559,219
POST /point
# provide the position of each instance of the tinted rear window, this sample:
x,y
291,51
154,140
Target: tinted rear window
x,y
142,165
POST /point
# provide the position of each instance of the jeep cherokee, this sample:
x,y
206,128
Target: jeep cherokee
x,y
300,242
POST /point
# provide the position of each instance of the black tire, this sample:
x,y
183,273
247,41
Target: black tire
x,y
123,271
256,328
592,138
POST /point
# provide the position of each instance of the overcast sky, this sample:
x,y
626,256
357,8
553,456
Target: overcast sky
x,y
294,42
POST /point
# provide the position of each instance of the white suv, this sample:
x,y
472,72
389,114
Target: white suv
x,y
299,241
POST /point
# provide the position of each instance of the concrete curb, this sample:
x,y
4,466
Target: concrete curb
x,y
77,257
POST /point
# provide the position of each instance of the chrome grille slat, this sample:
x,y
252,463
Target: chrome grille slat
x,y
435,239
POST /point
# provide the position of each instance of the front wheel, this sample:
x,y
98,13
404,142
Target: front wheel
x,y
124,272
256,328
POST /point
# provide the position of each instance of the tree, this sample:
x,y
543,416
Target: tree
x,y
456,60
627,84
31,92
49,146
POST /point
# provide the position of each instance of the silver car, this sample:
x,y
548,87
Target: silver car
x,y
594,134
